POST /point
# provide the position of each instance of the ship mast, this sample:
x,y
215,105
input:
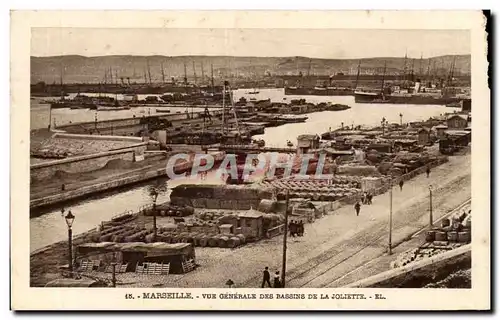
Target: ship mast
x,y
162,73
383,76
412,73
212,76
405,71
185,74
427,77
357,75
309,68
420,69
149,71
202,72
116,76
194,72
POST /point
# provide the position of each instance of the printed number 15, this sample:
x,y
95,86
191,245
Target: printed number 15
x,y
129,296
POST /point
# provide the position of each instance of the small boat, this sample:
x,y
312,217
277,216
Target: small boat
x,y
163,110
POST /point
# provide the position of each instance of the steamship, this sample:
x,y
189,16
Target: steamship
x,y
395,95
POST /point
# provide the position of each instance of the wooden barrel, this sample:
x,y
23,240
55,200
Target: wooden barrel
x,y
242,238
452,236
213,241
233,242
204,241
222,241
445,222
197,239
464,236
441,236
430,236
188,238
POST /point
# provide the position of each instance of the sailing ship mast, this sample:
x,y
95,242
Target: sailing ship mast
x,y
212,76
405,71
162,73
357,75
420,70
202,73
185,74
194,73
383,76
309,68
149,71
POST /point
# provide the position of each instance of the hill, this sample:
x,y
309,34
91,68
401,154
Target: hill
x,y
80,69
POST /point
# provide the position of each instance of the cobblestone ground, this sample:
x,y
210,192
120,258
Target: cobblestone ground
x,y
341,247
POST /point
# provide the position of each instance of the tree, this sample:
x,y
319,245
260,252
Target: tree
x,y
154,190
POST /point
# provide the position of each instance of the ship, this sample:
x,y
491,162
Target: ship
x,y
394,95
319,91
417,94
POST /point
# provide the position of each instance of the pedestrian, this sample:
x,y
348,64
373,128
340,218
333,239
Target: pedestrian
x,y
363,198
277,282
401,183
266,278
357,207
291,227
369,198
428,171
301,228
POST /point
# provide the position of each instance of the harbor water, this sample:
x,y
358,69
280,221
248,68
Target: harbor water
x,y
50,227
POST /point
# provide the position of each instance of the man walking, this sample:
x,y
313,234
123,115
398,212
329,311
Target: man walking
x,y
357,207
401,183
266,278
428,171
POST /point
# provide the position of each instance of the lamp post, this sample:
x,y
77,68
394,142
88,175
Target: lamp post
x,y
113,274
154,215
430,207
69,221
283,266
390,218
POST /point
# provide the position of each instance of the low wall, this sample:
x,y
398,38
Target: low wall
x,y
130,179
86,163
420,273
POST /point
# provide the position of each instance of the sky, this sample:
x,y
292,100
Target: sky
x,y
314,43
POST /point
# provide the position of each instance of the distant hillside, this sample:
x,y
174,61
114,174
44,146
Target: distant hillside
x,y
93,69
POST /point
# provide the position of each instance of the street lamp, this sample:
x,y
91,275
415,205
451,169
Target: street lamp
x,y
430,207
69,221
390,217
155,194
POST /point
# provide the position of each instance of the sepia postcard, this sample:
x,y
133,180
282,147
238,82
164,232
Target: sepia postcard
x,y
250,160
